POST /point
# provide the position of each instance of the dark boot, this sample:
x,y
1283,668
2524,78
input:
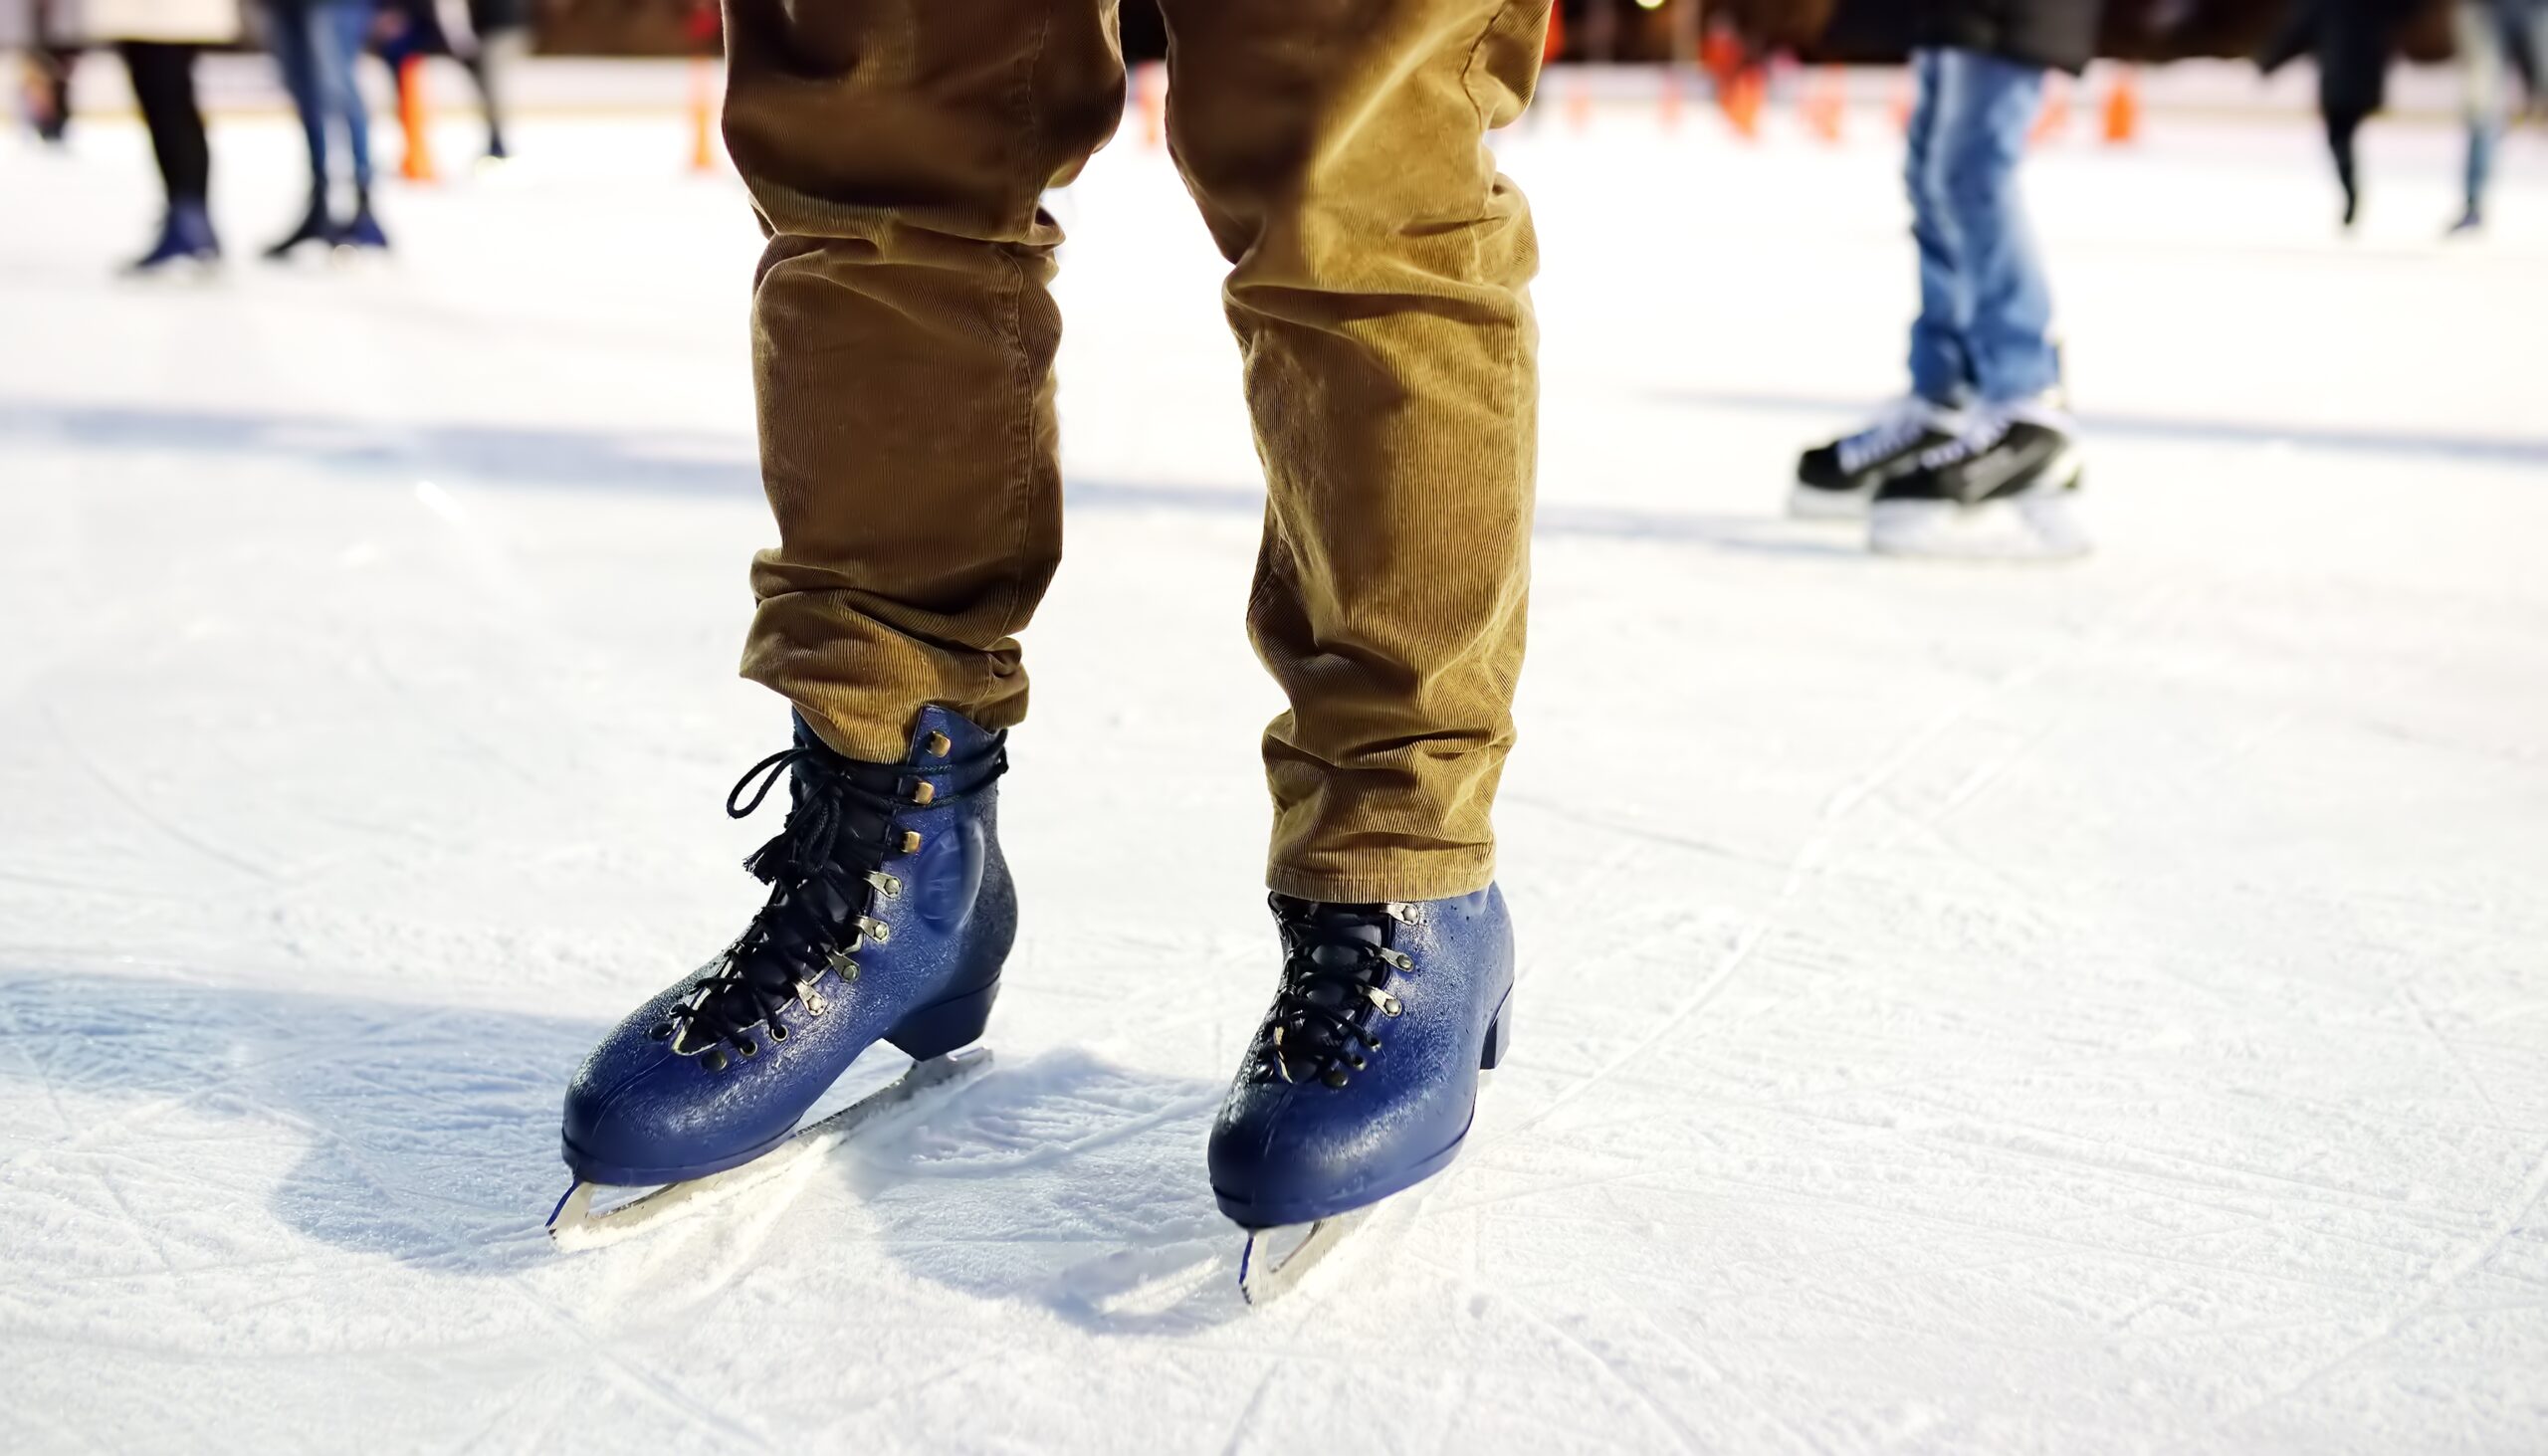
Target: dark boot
x,y
185,238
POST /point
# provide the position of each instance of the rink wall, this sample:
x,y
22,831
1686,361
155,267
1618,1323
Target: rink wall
x,y
246,83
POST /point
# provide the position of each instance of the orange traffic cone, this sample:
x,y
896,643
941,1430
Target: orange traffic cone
x,y
2054,118
2123,106
1825,103
415,121
1150,82
702,113
1742,97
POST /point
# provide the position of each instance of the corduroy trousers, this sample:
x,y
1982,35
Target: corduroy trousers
x,y
898,151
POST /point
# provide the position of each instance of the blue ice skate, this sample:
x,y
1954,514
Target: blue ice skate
x,y
185,238
890,912
360,233
1362,1079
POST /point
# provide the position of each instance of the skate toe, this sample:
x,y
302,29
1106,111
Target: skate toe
x,y
1293,1155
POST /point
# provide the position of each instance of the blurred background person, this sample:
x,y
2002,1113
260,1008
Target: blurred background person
x,y
2495,37
2350,39
486,37
1980,458
499,38
39,26
317,42
159,40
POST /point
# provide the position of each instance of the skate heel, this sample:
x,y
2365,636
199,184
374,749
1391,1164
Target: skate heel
x,y
1499,1036
934,1031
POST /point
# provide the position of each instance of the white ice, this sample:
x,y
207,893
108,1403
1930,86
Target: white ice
x,y
2071,1010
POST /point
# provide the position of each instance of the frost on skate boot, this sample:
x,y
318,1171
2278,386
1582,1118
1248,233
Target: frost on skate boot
x,y
1837,481
1364,1076
890,913
2006,489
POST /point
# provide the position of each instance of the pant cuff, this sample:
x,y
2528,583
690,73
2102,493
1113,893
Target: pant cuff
x,y
1416,877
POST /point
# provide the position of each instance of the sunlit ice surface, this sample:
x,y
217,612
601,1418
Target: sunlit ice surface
x,y
2082,1009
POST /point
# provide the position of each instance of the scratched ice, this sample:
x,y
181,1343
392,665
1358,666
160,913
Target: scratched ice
x,y
2067,1011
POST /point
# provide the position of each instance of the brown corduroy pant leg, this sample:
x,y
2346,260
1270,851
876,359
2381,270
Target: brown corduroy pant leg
x,y
898,150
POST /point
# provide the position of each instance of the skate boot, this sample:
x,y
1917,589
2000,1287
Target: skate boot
x,y
889,912
1364,1076
360,233
2006,489
1836,481
185,239
315,227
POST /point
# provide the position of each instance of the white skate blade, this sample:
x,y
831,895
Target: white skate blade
x,y
574,1226
1804,502
1276,1259
2039,524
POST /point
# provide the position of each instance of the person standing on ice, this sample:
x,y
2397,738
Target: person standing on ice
x,y
1980,458
318,45
2497,41
897,153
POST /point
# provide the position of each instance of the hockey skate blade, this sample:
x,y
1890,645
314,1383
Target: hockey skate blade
x,y
1276,1259
574,1226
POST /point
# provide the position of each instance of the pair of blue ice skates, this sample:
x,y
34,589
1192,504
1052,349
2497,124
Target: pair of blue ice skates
x,y
891,912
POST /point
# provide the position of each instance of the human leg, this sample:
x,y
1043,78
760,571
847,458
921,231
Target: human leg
x,y
1377,295
1985,108
1941,365
904,338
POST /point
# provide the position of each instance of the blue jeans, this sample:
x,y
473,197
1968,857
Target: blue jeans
x,y
317,42
1985,329
2495,38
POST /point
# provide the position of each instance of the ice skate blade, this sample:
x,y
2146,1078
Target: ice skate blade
x,y
2042,525
1276,1259
1805,502
574,1226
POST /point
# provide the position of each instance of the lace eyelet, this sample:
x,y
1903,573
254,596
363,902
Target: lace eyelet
x,y
748,1047
660,1031
1334,1079
777,1032
714,1059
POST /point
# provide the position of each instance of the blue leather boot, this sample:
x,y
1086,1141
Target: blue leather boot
x,y
1362,1079
890,912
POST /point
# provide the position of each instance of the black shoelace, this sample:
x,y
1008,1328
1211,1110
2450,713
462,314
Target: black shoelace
x,y
1337,964
824,867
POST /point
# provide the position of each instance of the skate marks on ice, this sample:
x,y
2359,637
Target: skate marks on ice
x,y
165,1136
1069,1181
413,1131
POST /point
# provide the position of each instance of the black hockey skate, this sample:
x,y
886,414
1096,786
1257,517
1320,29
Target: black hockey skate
x,y
1836,481
2007,489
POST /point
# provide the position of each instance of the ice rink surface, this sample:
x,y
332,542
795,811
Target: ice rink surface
x,y
2075,1010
